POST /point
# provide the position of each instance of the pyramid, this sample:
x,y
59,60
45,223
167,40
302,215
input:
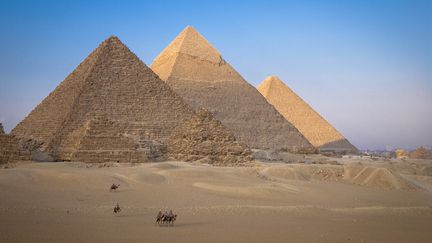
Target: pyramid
x,y
111,108
315,128
197,71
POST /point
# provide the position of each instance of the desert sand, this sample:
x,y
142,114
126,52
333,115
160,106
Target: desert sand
x,y
316,199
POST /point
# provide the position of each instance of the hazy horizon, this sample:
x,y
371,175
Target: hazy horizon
x,y
365,66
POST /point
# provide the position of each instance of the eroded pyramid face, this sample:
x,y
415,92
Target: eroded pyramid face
x,y
313,126
112,107
197,71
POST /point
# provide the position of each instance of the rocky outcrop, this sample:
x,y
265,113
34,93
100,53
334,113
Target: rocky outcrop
x,y
420,153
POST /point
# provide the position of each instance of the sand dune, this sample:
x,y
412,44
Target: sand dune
x,y
370,176
249,191
377,177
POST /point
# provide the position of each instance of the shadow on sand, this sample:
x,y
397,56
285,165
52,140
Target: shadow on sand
x,y
183,224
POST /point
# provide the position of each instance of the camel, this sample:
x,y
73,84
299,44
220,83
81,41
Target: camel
x,y
166,218
170,219
114,187
159,217
117,208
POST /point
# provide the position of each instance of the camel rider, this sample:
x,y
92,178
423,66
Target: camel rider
x,y
117,208
114,187
170,215
159,215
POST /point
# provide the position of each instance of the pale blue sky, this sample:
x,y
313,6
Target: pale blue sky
x,y
366,66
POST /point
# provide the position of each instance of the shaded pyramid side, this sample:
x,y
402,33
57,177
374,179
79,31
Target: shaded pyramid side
x,y
313,126
122,111
197,71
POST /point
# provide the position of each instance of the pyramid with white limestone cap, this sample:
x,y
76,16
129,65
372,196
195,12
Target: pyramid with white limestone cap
x,y
197,71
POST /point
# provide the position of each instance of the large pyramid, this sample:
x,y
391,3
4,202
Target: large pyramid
x,y
112,107
315,128
197,71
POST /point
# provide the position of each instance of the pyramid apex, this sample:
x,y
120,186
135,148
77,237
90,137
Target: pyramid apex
x,y
113,39
190,31
273,78
189,28
190,42
268,83
112,42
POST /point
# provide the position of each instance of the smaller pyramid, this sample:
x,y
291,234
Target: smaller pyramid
x,y
314,127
